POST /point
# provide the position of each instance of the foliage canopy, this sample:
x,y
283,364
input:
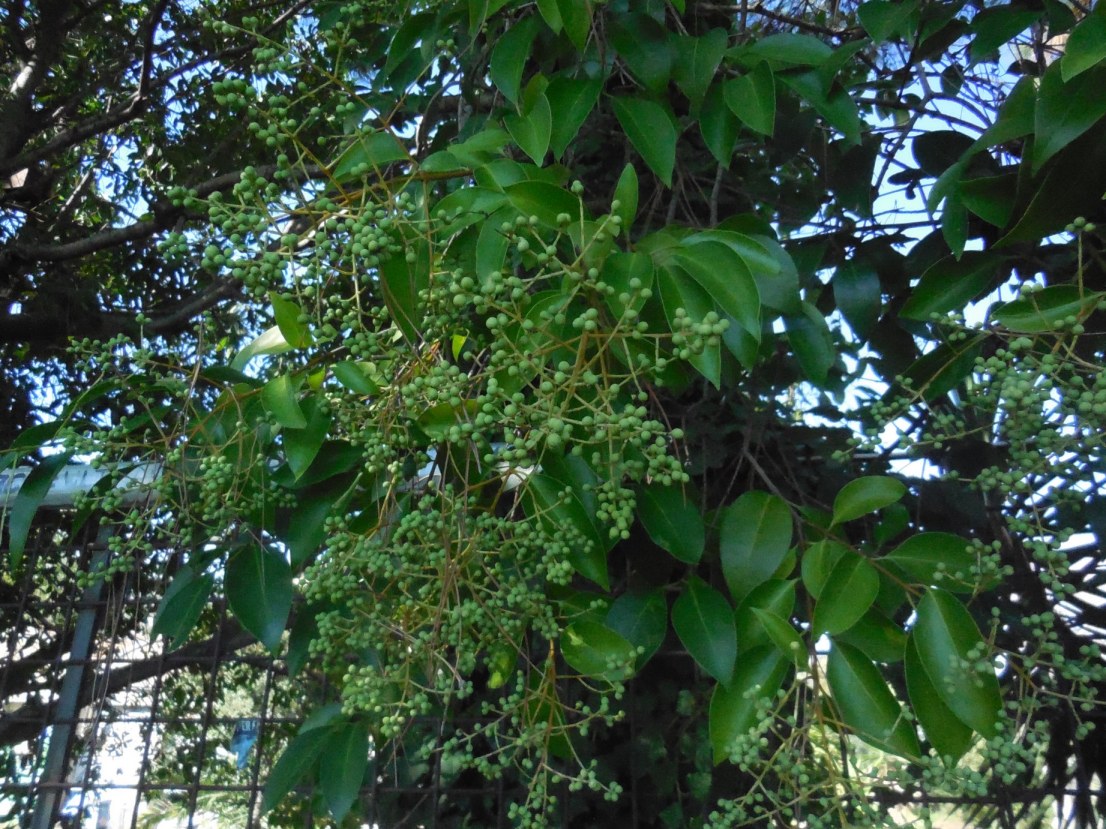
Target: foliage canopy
x,y
592,380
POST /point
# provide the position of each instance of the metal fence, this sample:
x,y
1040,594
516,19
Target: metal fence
x,y
103,726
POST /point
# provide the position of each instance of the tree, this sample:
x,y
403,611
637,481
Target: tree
x,y
531,367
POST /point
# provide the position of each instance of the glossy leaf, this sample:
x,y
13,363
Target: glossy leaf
x,y
560,508
935,559
351,375
1066,110
532,131
32,492
812,343
342,767
857,290
544,200
950,737
369,154
790,48
619,271
642,620
595,650
1086,46
884,20
718,126
866,704
259,591
679,291
818,562
302,445
697,60
651,132
879,638
280,398
703,620
672,520
299,757
571,100
849,590
1047,309
950,650
866,495
784,636
576,19
726,278
181,606
289,320
754,537
404,276
952,283
509,56
626,194
775,596
734,707
752,98
642,44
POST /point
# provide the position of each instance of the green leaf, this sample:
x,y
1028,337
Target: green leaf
x,y
885,20
718,125
619,271
942,369
937,151
626,194
369,152
992,198
642,620
531,132
679,291
849,590
307,522
783,636
867,705
551,12
288,319
350,374
818,562
697,60
795,49
857,290
509,56
865,495
834,104
734,708
1047,309
403,276
32,492
754,538
951,651
775,596
302,445
752,98
1066,110
1086,46
726,278
644,47
878,637
935,559
651,132
559,508
704,621
812,343
949,737
950,284
997,26
259,590
672,521
342,767
279,397
595,650
576,18
298,759
571,100
181,606
544,200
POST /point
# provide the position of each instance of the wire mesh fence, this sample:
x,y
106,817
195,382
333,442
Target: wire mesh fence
x,y
105,726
